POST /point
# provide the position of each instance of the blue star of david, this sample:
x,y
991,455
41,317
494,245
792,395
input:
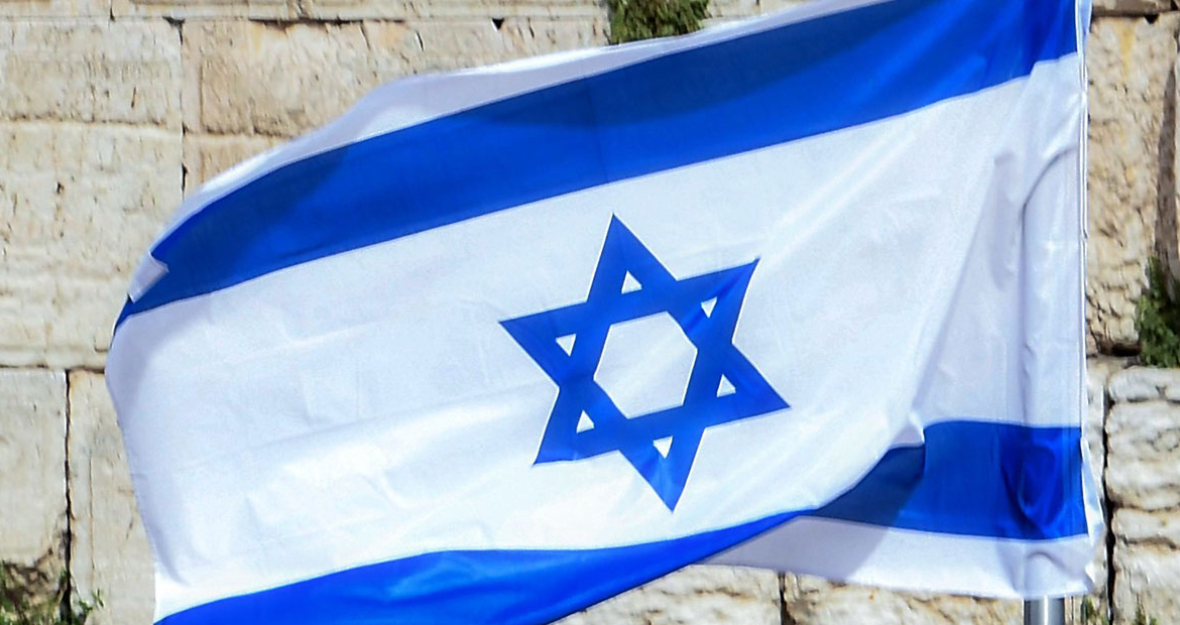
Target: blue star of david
x,y
635,436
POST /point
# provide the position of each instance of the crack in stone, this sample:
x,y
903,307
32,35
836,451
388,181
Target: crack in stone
x,y
784,613
1108,508
68,538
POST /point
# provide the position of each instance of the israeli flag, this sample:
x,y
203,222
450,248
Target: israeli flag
x,y
803,292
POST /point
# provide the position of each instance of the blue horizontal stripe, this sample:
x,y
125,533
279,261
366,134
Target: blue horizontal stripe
x,y
763,89
978,479
970,478
466,587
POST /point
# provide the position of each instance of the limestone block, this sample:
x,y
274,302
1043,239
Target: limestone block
x,y
54,8
109,551
813,601
1147,574
78,203
1143,455
1131,7
771,6
205,156
91,71
260,78
1144,478
432,9
1130,63
251,78
32,470
1098,373
697,594
78,206
182,9
1143,384
733,9
529,37
1137,526
458,45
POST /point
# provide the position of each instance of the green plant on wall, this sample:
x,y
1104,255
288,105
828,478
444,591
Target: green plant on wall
x,y
1157,319
1091,615
1142,619
632,20
21,606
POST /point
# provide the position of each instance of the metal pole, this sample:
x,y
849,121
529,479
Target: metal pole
x,y
1044,612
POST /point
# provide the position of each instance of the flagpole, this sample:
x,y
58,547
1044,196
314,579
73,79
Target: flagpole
x,y
1044,611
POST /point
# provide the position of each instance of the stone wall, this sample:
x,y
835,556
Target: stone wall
x,y
112,110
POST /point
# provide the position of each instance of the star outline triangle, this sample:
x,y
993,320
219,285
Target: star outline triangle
x,y
608,303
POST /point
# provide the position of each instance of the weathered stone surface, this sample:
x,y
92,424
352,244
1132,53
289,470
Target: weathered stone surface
x,y
812,601
1099,372
698,594
725,10
1131,7
205,156
1137,526
423,9
1143,384
109,551
92,71
1143,482
1147,575
54,8
33,470
771,6
249,78
1130,61
256,78
457,45
89,165
181,9
78,206
1143,463
532,36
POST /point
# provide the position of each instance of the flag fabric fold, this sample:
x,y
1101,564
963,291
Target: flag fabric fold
x,y
801,292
